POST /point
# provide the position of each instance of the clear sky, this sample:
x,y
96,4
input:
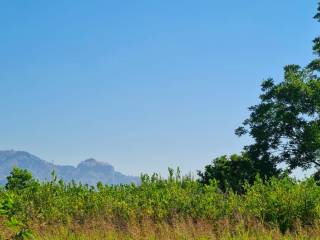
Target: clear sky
x,y
142,85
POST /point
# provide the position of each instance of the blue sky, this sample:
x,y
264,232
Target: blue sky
x,y
142,85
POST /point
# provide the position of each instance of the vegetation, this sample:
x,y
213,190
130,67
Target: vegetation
x,y
238,197
53,208
230,172
285,125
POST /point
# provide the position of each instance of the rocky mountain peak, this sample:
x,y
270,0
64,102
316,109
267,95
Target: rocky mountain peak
x,y
88,171
91,162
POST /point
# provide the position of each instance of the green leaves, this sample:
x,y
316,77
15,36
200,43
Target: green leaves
x,y
20,179
285,125
283,202
317,16
235,171
8,209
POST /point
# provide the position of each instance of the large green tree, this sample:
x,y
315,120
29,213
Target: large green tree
x,y
230,172
285,125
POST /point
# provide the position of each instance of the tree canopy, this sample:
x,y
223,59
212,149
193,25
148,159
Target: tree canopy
x,y
19,179
285,125
230,172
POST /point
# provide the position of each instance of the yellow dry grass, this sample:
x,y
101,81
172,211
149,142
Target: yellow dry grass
x,y
177,230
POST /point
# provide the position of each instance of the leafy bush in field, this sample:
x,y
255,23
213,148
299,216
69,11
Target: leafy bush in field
x,y
8,209
278,202
284,202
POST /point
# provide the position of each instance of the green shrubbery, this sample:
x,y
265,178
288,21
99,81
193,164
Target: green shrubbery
x,y
279,202
18,229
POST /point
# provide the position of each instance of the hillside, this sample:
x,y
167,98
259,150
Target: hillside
x,y
89,171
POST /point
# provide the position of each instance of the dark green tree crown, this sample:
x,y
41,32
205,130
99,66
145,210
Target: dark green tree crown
x,y
286,123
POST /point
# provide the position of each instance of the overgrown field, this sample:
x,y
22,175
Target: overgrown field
x,y
173,208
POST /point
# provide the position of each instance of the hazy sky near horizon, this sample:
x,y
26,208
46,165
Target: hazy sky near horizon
x,y
142,85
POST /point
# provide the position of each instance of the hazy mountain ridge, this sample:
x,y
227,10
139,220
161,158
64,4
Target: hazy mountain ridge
x,y
89,171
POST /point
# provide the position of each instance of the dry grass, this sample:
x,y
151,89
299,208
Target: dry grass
x,y
176,230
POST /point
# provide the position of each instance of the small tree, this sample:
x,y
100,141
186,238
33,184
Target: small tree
x,y
19,179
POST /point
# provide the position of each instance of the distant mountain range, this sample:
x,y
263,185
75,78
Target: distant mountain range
x,y
89,171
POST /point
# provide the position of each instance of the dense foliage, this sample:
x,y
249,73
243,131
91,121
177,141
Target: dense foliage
x,y
278,203
285,125
234,171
